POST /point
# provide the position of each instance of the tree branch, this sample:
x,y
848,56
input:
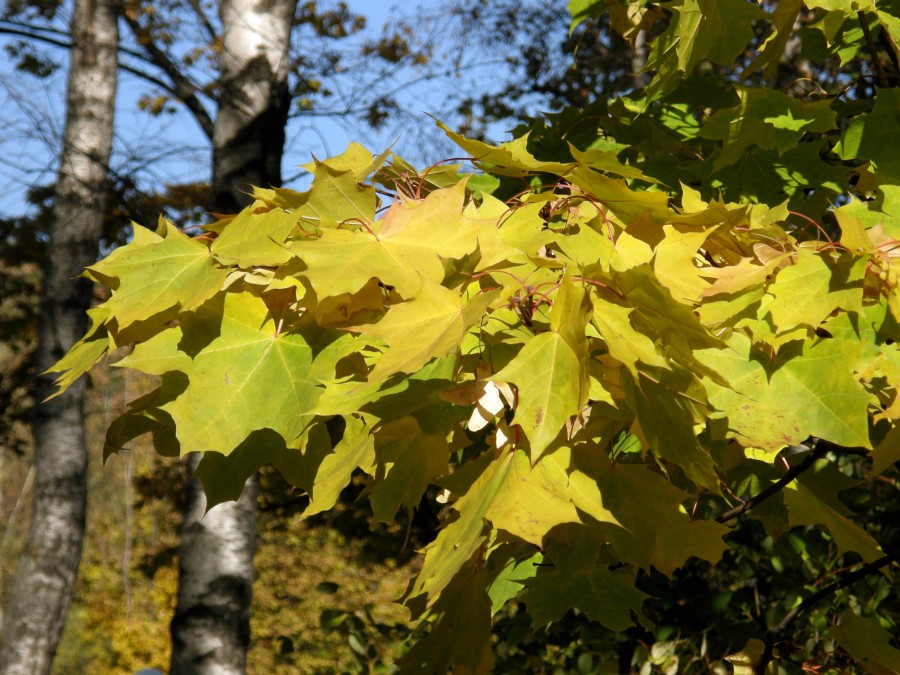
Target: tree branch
x,y
873,51
61,39
204,20
845,580
35,33
817,453
185,90
892,50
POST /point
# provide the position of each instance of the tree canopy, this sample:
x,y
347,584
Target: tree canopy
x,y
633,336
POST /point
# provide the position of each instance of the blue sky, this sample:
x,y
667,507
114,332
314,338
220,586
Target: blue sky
x,y
171,148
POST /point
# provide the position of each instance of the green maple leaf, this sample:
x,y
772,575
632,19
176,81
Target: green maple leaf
x,y
766,118
551,371
456,543
668,410
85,353
355,449
624,343
801,293
765,176
224,475
812,499
507,159
718,30
438,318
675,327
770,406
411,459
626,204
783,18
807,292
248,377
886,453
655,529
158,355
579,579
673,262
867,642
338,193
874,136
255,237
407,243
509,565
533,500
461,628
144,416
157,274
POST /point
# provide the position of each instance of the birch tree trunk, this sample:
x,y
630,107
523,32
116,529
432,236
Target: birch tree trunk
x,y
211,627
42,588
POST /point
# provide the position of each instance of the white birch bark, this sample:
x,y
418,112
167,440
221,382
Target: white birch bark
x,y
42,589
211,631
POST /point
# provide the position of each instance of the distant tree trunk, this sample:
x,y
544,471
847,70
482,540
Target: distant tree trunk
x,y
639,60
211,627
42,589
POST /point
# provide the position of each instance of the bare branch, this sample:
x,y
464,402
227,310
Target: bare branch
x,y
63,42
204,20
185,90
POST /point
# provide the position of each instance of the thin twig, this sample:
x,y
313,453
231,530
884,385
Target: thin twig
x,y
873,50
845,580
186,90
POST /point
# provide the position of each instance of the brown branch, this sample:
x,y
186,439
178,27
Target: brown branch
x,y
892,50
185,90
35,33
845,580
204,20
61,39
817,453
873,50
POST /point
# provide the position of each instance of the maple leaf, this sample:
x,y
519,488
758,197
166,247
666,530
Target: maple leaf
x,y
873,136
461,628
185,275
84,354
411,460
813,500
654,530
766,118
699,30
437,316
408,243
812,394
579,579
255,237
355,449
551,371
533,501
247,377
456,543
866,641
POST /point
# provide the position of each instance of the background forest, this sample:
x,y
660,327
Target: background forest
x,y
323,583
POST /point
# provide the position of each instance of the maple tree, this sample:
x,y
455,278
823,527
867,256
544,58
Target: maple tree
x,y
632,328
